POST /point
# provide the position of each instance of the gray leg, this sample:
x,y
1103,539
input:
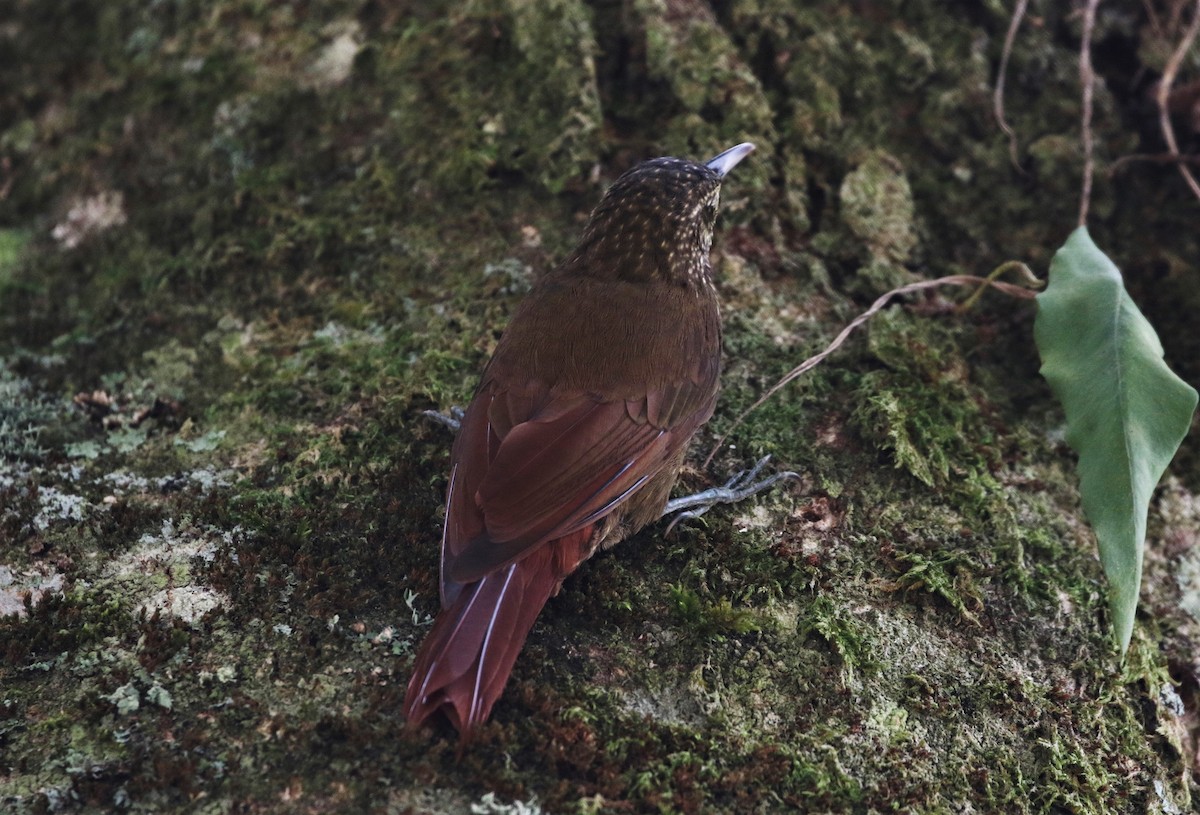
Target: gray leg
x,y
452,419
741,485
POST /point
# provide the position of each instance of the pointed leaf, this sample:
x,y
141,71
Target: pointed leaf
x,y
1126,411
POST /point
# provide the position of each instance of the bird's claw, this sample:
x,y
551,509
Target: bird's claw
x,y
740,485
451,419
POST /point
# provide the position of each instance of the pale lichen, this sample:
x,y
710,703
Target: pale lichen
x,y
918,625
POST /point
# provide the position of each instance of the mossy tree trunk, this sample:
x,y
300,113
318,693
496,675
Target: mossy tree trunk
x,y
243,245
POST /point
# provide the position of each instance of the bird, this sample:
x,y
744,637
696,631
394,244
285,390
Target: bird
x,y
578,427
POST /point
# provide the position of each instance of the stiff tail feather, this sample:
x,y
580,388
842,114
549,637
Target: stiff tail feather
x,y
465,661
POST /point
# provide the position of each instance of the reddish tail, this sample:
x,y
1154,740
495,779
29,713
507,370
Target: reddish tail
x,y
466,659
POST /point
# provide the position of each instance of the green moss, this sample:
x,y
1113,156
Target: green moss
x,y
316,251
877,207
924,410
531,109
713,620
843,633
946,575
12,245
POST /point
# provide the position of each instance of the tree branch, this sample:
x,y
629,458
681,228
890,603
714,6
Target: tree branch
x,y
1164,91
1087,78
1001,74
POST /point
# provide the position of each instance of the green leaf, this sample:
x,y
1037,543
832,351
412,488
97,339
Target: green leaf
x,y
1126,411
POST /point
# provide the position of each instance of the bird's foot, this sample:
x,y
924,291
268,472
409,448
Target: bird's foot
x,y
741,485
451,419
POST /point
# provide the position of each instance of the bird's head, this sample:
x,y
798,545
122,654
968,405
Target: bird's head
x,y
656,221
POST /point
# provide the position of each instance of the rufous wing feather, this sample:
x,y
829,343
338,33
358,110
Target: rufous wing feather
x,y
467,657
566,466
532,474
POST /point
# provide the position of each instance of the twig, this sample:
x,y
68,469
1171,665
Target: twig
x,y
1027,277
998,94
1152,16
876,307
1164,90
1087,79
1176,15
1152,158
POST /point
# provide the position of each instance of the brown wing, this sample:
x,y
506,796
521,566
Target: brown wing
x,y
466,659
531,466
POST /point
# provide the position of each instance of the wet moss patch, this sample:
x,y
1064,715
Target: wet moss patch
x,y
244,246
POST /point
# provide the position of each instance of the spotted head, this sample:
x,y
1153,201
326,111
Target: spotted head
x,y
656,221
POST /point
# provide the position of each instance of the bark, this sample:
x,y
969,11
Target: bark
x,y
243,246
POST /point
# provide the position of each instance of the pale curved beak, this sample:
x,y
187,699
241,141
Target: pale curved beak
x,y
729,159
